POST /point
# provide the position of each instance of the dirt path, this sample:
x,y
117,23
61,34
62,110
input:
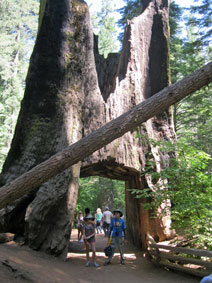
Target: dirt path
x,y
20,264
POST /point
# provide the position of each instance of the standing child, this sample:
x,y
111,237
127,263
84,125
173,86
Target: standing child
x,y
118,230
89,238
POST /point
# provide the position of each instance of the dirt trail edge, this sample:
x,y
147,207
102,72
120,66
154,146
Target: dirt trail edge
x,y
20,264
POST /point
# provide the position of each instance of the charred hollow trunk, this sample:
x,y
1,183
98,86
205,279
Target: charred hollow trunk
x,y
71,91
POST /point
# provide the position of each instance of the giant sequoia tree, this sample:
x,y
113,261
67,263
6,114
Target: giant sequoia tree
x,y
70,92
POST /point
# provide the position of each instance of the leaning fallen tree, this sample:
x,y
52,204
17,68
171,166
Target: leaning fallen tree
x,y
103,136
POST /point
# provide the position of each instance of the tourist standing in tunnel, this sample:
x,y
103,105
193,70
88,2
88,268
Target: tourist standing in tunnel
x,y
106,219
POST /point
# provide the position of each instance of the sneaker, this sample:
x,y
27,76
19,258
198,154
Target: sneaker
x,y
107,262
96,264
87,264
122,261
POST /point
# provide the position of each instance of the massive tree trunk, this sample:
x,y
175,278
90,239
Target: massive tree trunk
x,y
70,92
58,80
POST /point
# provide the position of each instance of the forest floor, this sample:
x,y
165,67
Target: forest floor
x,y
20,264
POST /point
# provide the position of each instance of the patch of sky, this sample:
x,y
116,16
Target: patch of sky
x,y
95,6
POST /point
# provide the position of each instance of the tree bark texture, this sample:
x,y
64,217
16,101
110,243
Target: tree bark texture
x,y
71,91
50,119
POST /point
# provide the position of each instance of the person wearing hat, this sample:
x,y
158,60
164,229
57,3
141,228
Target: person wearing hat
x,y
118,230
89,238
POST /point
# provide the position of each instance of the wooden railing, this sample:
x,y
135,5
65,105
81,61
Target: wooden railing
x,y
199,264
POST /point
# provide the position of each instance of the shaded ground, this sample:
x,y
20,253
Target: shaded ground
x,y
20,264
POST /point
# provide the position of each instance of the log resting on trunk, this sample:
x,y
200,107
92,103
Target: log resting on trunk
x,y
98,139
104,135
71,92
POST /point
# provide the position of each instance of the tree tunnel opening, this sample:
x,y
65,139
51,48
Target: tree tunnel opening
x,y
99,192
115,181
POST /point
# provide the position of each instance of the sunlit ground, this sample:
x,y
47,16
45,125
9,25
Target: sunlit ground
x,y
99,254
77,249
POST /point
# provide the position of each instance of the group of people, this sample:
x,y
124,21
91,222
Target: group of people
x,y
114,228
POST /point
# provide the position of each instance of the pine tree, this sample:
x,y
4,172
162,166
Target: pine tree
x,y
176,42
203,19
18,26
193,113
107,32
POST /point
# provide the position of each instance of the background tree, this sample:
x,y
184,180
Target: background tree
x,y
104,24
192,114
176,41
202,18
18,28
99,192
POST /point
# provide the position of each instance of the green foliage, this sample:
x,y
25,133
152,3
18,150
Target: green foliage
x,y
194,119
105,26
192,114
187,183
99,192
18,26
132,9
176,42
202,17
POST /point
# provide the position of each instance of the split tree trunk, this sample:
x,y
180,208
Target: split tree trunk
x,y
63,103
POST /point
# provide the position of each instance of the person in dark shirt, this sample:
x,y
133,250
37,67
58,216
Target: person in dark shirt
x,y
87,211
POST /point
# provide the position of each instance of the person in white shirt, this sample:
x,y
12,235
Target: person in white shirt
x,y
106,220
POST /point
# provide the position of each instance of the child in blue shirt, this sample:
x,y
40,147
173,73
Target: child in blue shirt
x,y
118,230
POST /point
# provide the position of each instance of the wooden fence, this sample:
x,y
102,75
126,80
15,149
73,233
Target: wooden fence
x,y
193,261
